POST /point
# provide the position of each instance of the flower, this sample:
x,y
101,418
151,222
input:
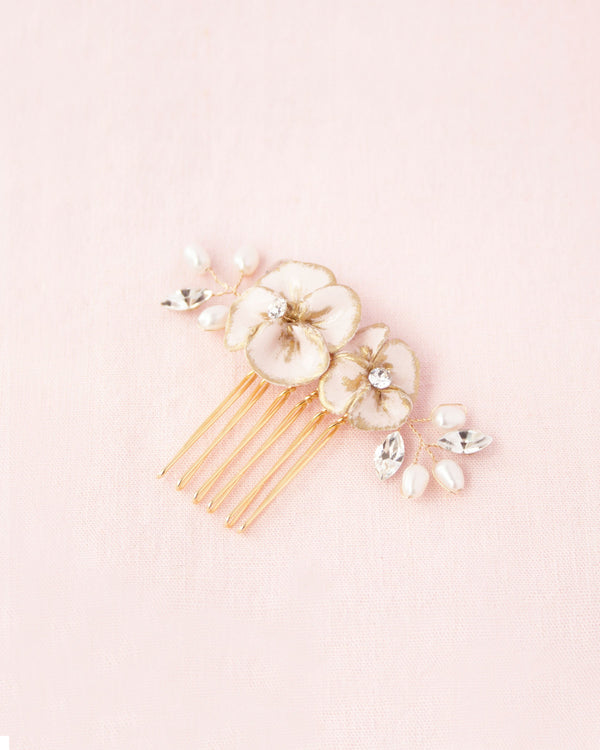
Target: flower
x,y
374,381
291,320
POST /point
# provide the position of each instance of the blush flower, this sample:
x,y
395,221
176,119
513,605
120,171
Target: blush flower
x,y
373,381
291,320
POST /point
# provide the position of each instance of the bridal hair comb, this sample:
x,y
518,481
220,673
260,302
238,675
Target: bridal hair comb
x,y
298,326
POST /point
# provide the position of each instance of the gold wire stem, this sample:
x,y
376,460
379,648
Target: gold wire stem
x,y
268,414
212,272
421,439
298,440
244,408
236,287
307,456
285,424
236,393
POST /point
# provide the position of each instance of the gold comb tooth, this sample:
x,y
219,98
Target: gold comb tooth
x,y
267,415
298,440
230,399
246,406
284,425
307,456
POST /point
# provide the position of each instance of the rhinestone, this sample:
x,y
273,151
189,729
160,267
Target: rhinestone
x,y
277,308
187,299
380,378
464,441
389,455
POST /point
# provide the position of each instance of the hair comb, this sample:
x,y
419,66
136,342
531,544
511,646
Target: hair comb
x,y
299,327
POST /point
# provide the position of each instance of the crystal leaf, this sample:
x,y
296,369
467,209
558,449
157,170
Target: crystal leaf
x,y
187,299
389,455
464,441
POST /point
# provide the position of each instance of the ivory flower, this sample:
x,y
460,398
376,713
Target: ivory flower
x,y
291,320
373,381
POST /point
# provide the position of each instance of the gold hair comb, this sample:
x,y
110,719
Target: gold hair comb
x,y
298,326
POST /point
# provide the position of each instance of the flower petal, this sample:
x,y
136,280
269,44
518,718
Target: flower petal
x,y
335,311
295,280
380,410
339,386
396,356
287,354
246,313
367,342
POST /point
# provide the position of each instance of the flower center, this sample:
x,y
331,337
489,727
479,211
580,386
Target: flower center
x,y
277,309
380,377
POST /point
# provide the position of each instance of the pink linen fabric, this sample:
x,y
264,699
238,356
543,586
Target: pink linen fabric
x,y
443,159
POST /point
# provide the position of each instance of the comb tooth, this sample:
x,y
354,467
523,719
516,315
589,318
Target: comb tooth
x,y
284,425
298,440
307,456
236,393
268,414
246,406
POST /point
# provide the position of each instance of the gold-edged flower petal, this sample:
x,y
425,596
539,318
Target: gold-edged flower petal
x,y
246,314
335,311
380,409
287,354
403,364
294,280
339,386
368,341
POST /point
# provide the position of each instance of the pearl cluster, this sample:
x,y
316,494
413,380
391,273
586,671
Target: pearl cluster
x,y
214,317
446,471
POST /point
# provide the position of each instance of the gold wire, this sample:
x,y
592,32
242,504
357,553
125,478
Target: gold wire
x,y
212,272
236,393
422,443
298,440
285,424
307,456
244,408
268,414
235,288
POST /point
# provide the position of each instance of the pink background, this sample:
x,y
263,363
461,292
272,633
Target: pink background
x,y
443,159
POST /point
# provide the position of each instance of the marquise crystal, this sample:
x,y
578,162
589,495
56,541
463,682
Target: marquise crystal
x,y
187,299
464,441
389,455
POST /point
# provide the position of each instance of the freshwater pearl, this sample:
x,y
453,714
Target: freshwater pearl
x,y
448,416
246,259
213,318
414,481
449,475
197,257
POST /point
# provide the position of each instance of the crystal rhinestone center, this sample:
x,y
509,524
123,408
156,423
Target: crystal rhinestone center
x,y
380,377
277,308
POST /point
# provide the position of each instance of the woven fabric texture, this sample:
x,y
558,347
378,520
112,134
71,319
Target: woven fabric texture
x,y
443,159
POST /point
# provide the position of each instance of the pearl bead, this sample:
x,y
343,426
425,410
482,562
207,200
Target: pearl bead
x,y
213,318
448,416
449,475
197,257
414,481
246,259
